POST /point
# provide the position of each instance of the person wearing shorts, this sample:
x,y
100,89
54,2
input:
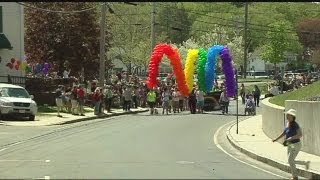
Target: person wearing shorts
x,y
151,98
200,100
165,100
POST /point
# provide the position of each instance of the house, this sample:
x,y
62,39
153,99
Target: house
x,y
258,66
11,38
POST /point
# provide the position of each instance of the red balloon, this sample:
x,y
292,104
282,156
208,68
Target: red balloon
x,y
13,60
16,67
19,62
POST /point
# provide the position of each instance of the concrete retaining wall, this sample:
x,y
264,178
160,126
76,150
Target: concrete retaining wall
x,y
308,116
272,119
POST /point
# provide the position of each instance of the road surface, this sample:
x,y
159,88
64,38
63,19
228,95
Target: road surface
x,y
133,146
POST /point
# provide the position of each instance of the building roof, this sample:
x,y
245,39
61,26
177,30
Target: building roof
x,y
4,42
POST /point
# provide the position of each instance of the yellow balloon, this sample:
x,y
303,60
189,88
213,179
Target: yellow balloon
x,y
190,67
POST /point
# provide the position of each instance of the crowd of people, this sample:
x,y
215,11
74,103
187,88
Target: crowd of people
x,y
127,92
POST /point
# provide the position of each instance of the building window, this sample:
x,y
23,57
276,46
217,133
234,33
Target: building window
x,y
1,21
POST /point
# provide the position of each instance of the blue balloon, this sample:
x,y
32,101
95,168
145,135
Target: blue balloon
x,y
210,68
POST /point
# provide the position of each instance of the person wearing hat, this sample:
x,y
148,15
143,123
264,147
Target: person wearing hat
x,y
292,134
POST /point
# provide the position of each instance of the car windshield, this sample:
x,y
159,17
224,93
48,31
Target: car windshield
x,y
14,92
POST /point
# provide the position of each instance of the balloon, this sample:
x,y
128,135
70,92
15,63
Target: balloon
x,y
228,70
175,60
189,69
18,62
201,69
210,68
38,68
23,65
16,67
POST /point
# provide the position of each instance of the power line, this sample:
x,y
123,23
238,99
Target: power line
x,y
234,21
62,12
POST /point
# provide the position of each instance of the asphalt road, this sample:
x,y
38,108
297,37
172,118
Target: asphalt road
x,y
133,146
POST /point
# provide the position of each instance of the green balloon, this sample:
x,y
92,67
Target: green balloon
x,y
202,60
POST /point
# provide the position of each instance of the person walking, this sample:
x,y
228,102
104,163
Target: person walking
x,y
165,100
224,101
193,102
59,101
81,97
108,98
97,101
151,99
127,97
292,134
200,100
243,93
256,95
74,100
175,99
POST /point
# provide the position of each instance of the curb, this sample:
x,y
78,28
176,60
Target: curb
x,y
99,117
281,166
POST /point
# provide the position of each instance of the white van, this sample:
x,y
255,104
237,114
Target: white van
x,y
16,101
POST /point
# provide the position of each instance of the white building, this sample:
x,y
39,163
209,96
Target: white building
x,y
257,64
11,38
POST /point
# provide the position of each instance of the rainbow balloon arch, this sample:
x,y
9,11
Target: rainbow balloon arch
x,y
198,60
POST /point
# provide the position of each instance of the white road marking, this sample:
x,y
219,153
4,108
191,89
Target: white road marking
x,y
3,149
21,160
219,146
46,177
47,161
185,162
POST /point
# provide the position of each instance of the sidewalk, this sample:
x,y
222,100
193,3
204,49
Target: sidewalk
x,y
252,141
48,119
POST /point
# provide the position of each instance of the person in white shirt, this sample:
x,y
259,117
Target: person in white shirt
x,y
175,99
165,100
224,101
66,73
200,100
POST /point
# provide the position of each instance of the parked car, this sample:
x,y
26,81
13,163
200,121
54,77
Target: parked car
x,y
16,101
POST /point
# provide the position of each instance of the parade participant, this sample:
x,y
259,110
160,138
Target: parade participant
x,y
127,98
165,100
59,101
97,99
151,98
74,100
175,99
81,97
224,101
193,102
200,100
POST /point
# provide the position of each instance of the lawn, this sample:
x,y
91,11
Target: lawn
x,y
53,109
241,80
263,88
304,93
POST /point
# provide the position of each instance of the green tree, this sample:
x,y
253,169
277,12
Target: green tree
x,y
173,20
277,43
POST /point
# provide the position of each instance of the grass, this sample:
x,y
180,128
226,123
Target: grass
x,y
263,88
44,110
241,80
299,94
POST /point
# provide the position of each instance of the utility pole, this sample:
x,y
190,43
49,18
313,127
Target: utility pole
x,y
245,40
102,67
153,23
